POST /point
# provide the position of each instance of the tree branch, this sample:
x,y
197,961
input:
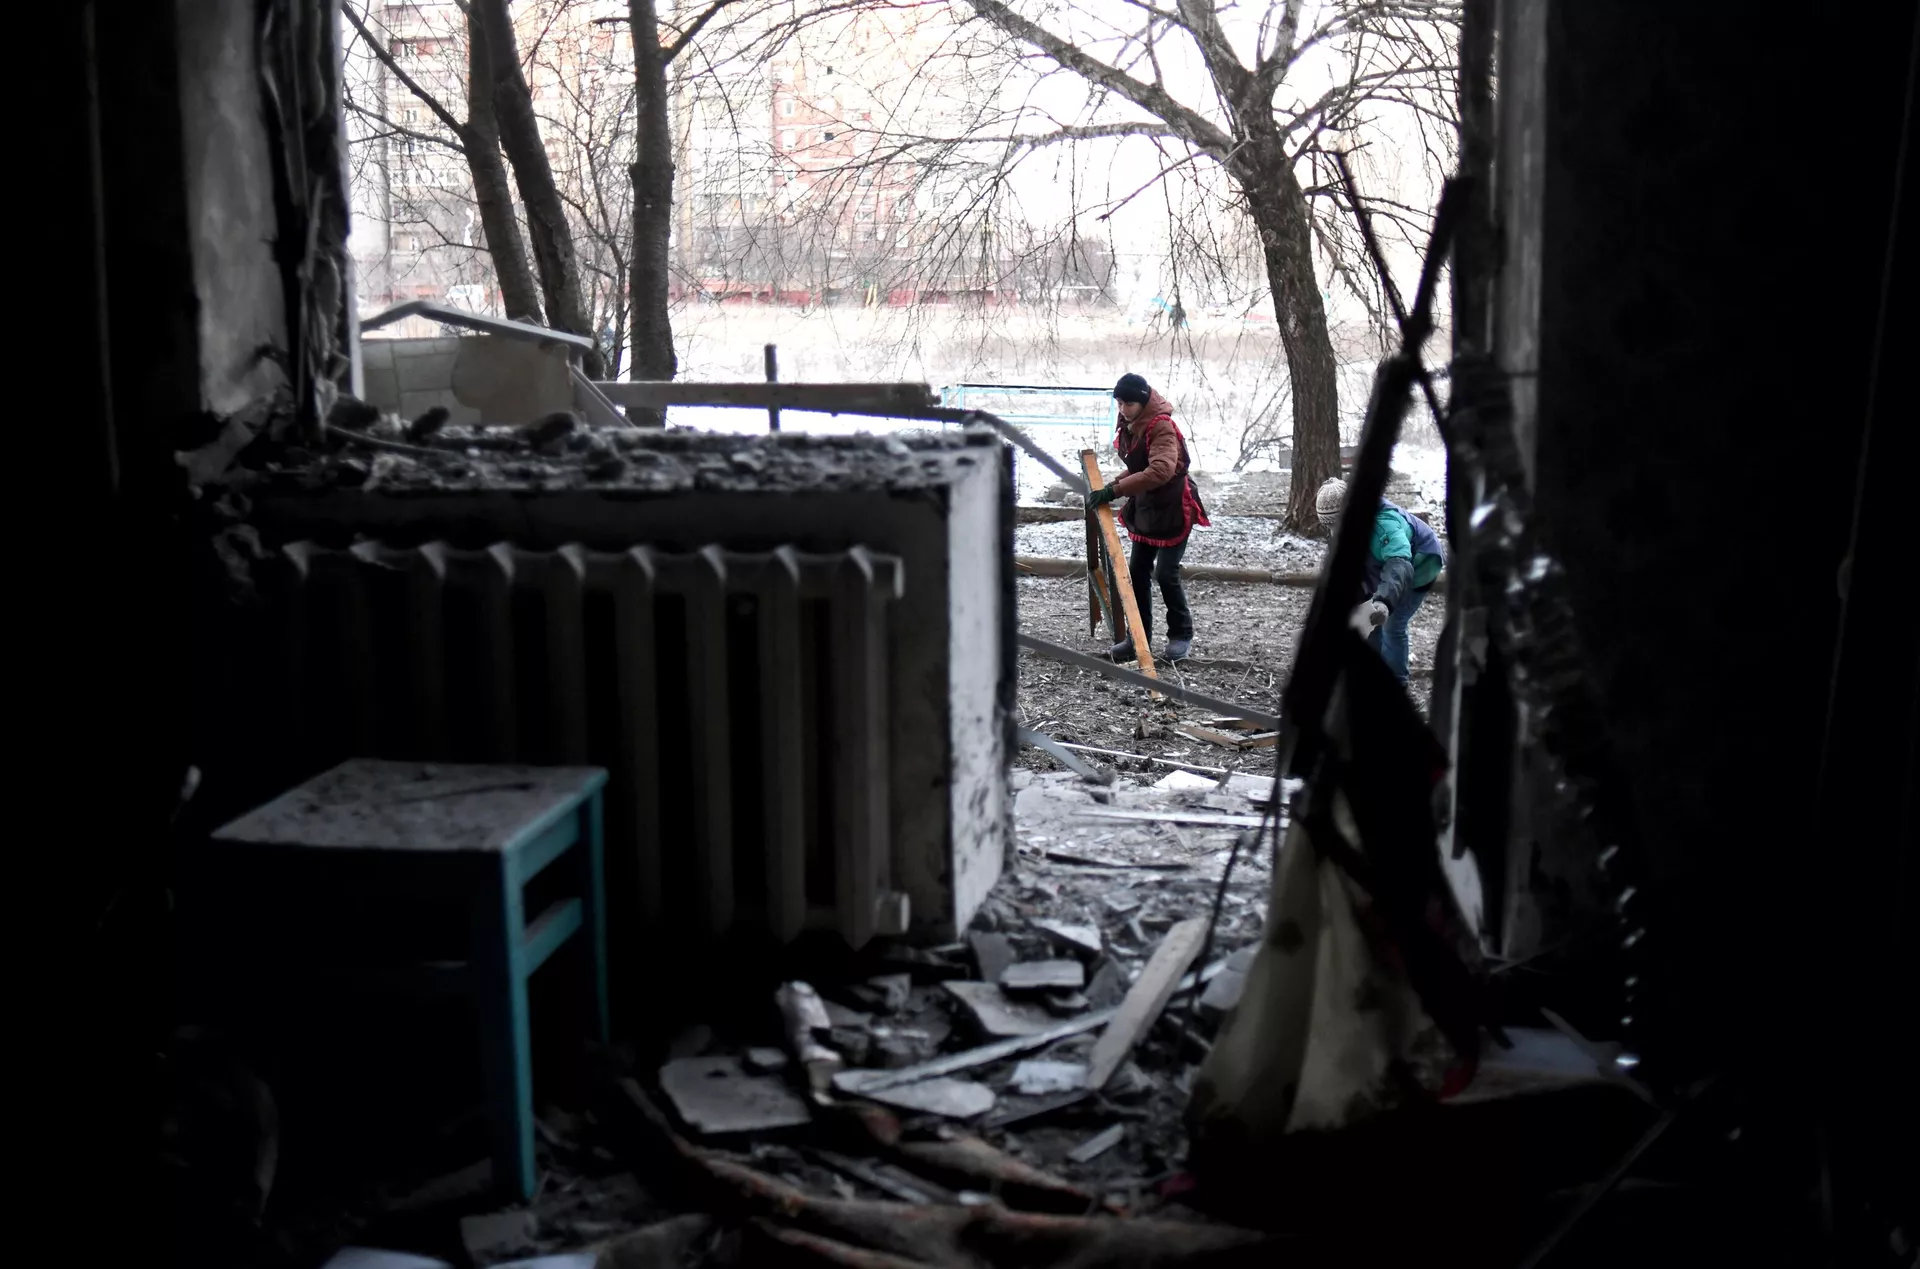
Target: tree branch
x,y
380,51
401,130
685,37
1234,80
1187,123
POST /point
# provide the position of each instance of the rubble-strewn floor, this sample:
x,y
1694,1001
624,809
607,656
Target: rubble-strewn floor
x,y
1244,641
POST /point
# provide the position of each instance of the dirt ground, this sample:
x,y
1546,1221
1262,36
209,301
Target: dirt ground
x,y
1245,636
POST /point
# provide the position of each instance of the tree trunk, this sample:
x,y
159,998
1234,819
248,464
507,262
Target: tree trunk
x,y
491,189
652,173
1279,208
547,223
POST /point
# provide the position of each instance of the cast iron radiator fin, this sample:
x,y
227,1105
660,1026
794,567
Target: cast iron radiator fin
x,y
739,701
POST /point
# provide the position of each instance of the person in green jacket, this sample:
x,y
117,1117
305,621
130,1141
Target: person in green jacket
x,y
1403,560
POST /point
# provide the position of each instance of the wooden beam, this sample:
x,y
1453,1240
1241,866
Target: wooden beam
x,y
1110,534
1145,1000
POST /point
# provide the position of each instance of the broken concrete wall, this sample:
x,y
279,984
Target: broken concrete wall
x,y
230,209
1690,337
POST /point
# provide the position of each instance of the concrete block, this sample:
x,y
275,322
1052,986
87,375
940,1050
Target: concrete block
x,y
423,368
376,354
381,387
511,382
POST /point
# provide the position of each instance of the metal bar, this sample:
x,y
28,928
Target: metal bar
x,y
1034,387
861,784
888,399
1074,480
773,376
593,404
782,741
702,578
526,332
1166,687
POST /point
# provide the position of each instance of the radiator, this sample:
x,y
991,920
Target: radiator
x,y
738,701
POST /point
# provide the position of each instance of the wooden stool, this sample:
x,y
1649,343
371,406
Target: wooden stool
x,y
477,835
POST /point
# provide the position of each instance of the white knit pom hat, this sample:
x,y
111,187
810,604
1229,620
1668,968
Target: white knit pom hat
x,y
1328,502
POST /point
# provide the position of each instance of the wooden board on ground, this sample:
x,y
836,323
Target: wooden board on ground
x,y
1246,736
1110,534
1145,999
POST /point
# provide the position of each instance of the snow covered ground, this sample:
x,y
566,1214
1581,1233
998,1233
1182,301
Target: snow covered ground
x,y
1224,375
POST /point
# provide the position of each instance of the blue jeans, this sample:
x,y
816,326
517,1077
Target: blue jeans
x,y
1389,639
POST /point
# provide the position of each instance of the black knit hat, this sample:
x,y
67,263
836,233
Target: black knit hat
x,y
1132,388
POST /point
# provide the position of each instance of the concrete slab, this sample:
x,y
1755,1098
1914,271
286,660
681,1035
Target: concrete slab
x,y
716,1095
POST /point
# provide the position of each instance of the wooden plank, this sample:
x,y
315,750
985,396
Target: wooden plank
x,y
1194,731
1110,534
1145,1000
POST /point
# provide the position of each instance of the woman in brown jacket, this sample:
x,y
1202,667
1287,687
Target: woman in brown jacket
x,y
1162,508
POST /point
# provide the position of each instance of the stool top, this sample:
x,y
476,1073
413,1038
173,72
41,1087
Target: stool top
x,y
368,804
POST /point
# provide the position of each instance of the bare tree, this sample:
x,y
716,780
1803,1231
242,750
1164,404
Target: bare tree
x,y
490,187
548,225
1233,117
474,139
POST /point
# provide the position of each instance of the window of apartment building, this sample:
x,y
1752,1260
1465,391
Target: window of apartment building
x,y
788,139
786,108
826,136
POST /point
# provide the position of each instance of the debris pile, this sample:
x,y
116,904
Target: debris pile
x,y
1042,1063
559,451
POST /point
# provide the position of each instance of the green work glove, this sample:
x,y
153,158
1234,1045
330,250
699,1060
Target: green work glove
x,y
1100,497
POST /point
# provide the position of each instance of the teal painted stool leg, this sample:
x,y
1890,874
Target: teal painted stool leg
x,y
506,1044
590,853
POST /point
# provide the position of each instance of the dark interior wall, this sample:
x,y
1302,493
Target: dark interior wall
x,y
230,209
107,386
1707,235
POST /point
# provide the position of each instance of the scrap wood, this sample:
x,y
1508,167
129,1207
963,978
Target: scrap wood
x,y
1110,538
1098,1144
982,1237
1145,999
678,1240
966,1162
791,1247
886,1178
1193,731
942,1095
861,1081
1204,819
1253,737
